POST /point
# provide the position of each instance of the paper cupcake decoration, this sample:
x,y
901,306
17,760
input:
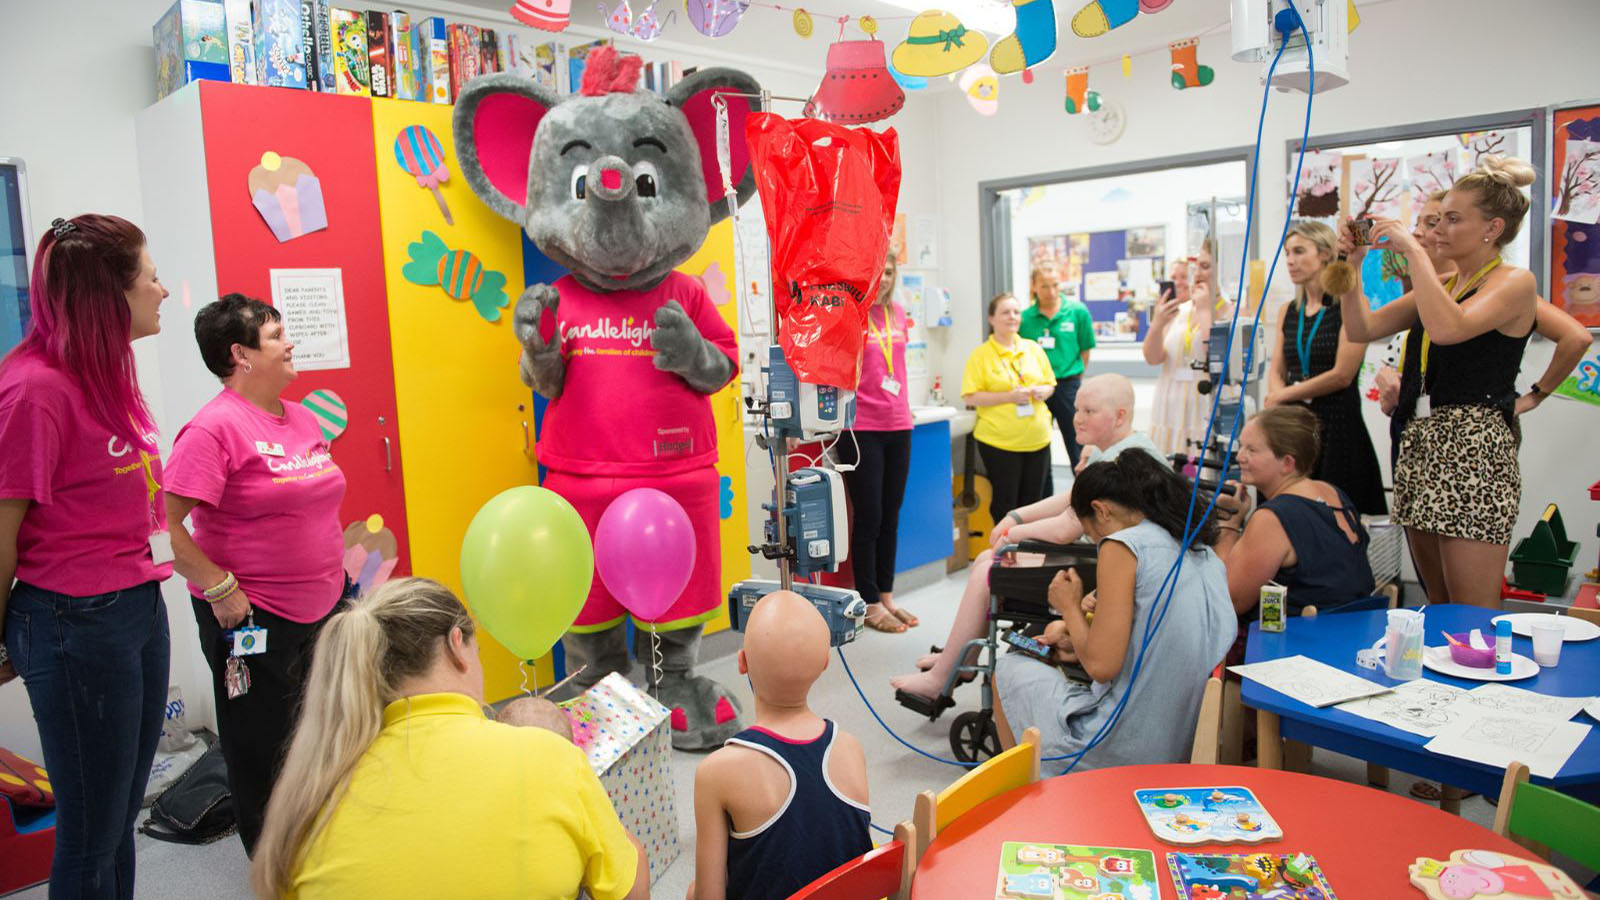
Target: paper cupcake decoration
x,y
938,44
419,152
982,87
461,275
288,196
547,15
370,553
857,87
329,410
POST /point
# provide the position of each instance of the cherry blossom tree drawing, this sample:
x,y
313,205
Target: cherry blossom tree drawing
x,y
1376,186
1430,172
1579,192
1319,187
1477,145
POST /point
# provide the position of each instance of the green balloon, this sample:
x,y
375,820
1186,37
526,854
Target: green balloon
x,y
526,566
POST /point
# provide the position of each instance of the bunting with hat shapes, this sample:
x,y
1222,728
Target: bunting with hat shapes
x,y
1100,16
938,44
548,15
982,87
1079,97
857,87
1032,43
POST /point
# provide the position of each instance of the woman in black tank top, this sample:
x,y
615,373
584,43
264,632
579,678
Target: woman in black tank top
x,y
1457,483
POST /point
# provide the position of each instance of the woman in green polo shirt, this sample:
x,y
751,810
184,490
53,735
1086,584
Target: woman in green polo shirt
x,y
1008,379
1065,331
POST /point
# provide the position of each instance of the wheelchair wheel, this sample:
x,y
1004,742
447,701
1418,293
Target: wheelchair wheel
x,y
974,737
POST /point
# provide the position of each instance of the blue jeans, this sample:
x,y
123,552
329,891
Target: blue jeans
x,y
96,673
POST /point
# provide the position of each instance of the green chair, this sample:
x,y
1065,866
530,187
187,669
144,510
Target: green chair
x,y
1543,819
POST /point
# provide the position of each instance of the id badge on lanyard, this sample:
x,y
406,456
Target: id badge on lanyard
x,y
160,538
885,339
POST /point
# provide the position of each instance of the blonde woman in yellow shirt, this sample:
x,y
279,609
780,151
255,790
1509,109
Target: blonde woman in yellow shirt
x,y
1008,379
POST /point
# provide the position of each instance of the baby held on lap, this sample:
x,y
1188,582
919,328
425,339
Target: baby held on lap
x,y
536,712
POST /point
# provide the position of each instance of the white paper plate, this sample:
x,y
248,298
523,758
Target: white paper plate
x,y
1577,629
1438,659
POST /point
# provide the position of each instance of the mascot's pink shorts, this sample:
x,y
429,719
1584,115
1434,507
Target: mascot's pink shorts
x,y
698,491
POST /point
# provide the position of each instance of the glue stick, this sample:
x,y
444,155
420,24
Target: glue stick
x,y
1502,647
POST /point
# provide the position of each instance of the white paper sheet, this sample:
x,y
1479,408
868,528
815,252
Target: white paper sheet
x,y
1309,681
1101,285
1421,707
1503,698
1498,739
311,302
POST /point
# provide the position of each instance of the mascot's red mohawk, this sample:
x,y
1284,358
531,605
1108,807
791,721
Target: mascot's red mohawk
x,y
608,72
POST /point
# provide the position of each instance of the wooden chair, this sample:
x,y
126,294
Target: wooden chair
x,y
1208,728
880,872
1584,613
1543,819
1010,770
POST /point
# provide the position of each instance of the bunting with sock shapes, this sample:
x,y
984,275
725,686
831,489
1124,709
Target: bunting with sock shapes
x,y
1032,43
1186,69
1079,97
1100,16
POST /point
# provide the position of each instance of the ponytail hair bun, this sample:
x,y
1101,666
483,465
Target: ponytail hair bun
x,y
1497,184
1507,170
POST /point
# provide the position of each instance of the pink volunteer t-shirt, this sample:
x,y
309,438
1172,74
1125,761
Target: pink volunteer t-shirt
x,y
269,495
876,408
618,414
87,531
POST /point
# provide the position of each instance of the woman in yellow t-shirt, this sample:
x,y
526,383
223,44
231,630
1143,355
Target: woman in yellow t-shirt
x,y
396,785
1007,379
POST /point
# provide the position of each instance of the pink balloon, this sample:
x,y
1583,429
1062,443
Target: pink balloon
x,y
644,552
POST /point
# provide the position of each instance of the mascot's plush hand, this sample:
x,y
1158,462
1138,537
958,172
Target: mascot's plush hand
x,y
542,368
681,350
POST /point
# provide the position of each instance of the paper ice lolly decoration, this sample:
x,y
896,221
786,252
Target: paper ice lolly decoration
x,y
418,151
288,196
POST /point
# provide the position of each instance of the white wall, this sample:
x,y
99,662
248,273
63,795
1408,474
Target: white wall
x,y
1409,63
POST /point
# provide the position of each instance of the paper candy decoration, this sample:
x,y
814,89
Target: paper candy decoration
x,y
624,733
802,23
461,274
938,44
330,411
1033,42
419,152
982,88
370,553
288,196
1473,874
548,15
857,87
717,18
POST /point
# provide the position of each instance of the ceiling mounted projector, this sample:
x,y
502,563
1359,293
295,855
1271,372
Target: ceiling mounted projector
x,y
1257,38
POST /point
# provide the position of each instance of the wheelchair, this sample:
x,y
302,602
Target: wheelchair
x,y
1016,596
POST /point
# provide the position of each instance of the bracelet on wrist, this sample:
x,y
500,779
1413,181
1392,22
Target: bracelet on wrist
x,y
1015,517
221,589
215,600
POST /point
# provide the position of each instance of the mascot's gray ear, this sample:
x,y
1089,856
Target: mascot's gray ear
x,y
692,97
495,120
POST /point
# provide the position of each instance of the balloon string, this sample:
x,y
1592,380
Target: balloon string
x,y
522,666
655,659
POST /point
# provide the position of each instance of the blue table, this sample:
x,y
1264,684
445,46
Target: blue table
x,y
1334,639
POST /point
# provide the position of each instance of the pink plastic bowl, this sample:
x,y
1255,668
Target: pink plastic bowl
x,y
1464,654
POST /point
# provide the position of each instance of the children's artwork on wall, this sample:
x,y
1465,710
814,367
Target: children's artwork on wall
x,y
1584,384
1100,16
1318,196
716,282
546,15
1430,172
856,88
1032,43
1187,72
1475,145
1578,192
1485,874
330,411
1148,241
288,195
370,553
982,87
1381,273
461,275
1376,186
1574,283
715,18
419,152
938,44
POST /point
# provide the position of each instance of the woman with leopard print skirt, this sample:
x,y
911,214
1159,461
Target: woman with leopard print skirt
x,y
1457,483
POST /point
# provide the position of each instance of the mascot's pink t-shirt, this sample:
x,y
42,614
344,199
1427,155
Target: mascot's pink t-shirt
x,y
618,414
95,504
269,495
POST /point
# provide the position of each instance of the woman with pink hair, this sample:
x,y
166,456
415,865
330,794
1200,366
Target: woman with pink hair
x,y
83,532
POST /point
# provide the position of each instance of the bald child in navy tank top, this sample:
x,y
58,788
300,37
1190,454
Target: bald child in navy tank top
x,y
785,800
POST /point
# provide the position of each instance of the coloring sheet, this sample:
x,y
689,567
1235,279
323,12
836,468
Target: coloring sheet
x,y
1498,739
1421,707
1504,698
1309,681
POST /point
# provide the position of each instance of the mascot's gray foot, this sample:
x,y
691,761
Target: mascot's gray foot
x,y
704,715
598,654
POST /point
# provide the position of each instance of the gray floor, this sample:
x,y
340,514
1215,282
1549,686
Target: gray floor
x,y
896,774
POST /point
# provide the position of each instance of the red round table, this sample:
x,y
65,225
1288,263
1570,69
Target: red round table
x,y
1363,838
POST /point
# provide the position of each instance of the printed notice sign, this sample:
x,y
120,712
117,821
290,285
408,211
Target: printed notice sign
x,y
311,302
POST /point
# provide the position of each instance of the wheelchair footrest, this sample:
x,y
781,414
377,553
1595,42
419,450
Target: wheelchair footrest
x,y
930,707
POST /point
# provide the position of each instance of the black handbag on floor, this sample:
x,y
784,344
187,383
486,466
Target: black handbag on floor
x,y
198,807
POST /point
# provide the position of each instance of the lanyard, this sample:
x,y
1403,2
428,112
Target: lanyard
x,y
1456,296
1010,362
885,339
1302,341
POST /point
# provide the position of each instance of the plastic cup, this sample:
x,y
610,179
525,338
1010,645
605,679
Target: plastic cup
x,y
1547,640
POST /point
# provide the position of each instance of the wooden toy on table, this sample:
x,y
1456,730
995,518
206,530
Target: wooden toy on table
x,y
1486,875
1206,815
1251,876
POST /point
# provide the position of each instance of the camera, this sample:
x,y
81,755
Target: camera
x,y
1361,230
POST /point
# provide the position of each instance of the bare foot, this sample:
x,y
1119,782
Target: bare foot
x,y
923,684
926,661
906,617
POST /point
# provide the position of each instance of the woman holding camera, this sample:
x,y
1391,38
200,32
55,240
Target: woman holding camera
x,y
1457,481
1315,363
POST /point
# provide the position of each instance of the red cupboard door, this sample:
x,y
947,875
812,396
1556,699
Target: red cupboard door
x,y
332,135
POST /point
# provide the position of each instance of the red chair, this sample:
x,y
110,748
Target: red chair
x,y
881,872
27,842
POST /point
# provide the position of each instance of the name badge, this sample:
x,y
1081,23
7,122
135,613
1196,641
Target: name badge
x,y
891,387
1047,341
1070,327
161,547
1424,407
250,640
1024,410
266,448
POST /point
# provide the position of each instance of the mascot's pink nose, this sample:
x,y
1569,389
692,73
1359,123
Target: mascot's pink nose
x,y
611,179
